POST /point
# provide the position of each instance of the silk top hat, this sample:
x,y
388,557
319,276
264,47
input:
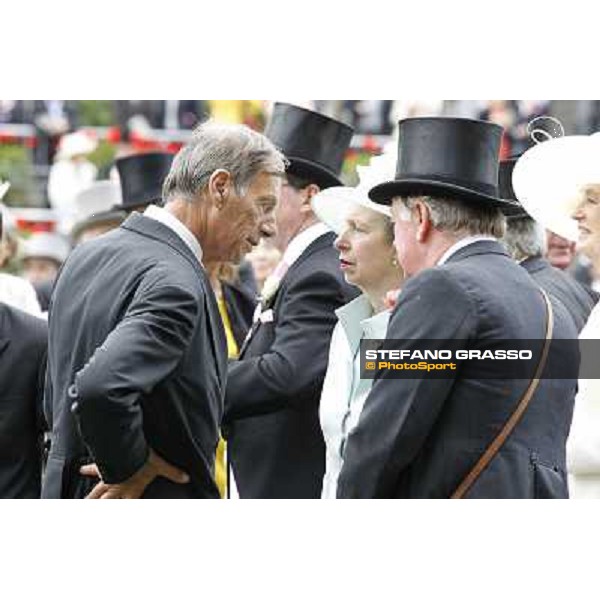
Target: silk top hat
x,y
314,144
506,191
548,179
448,157
94,206
142,177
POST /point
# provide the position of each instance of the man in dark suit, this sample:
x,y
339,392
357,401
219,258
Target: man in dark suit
x,y
23,340
275,442
526,242
137,355
421,437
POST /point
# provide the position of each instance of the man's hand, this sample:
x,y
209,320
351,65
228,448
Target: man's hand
x,y
134,486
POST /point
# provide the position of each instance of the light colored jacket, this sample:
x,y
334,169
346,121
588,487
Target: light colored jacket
x,y
583,445
344,392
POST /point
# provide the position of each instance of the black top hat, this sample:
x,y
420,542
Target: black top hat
x,y
142,177
314,144
449,157
505,188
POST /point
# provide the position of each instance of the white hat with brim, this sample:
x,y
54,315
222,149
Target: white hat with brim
x,y
46,245
75,144
548,178
333,205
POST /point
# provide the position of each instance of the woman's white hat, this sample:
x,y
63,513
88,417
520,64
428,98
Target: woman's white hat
x,y
333,204
46,245
548,177
75,144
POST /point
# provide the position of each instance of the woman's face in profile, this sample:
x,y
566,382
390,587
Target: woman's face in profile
x,y
587,215
367,254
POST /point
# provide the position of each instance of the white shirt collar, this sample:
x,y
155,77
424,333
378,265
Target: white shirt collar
x,y
462,244
166,218
302,241
358,321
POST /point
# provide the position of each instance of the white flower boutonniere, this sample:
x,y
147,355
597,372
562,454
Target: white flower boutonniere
x,y
269,289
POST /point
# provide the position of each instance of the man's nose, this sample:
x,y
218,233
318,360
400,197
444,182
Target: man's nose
x,y
268,228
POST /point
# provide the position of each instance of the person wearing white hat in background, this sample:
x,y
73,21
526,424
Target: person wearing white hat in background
x,y
43,254
558,183
95,211
70,173
14,291
368,259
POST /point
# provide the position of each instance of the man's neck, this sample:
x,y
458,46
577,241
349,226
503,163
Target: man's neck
x,y
439,246
283,244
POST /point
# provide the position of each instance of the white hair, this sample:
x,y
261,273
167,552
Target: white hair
x,y
524,237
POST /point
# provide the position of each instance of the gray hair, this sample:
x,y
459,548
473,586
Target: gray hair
x,y
461,218
524,238
242,152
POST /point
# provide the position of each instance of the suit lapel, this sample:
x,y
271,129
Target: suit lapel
x,y
4,325
217,334
160,232
323,241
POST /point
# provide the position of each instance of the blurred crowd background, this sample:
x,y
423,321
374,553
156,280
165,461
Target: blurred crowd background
x,y
52,151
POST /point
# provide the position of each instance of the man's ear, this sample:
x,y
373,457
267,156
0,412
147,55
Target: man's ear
x,y
422,221
312,189
219,187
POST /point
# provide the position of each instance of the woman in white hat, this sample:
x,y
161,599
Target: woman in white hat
x,y
368,259
71,173
558,183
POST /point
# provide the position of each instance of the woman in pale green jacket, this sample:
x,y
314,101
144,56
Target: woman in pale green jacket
x,y
368,260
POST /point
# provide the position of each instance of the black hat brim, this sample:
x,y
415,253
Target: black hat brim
x,y
384,192
306,169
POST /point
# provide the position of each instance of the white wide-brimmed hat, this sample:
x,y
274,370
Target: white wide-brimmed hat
x,y
95,205
75,144
547,180
46,245
99,197
333,204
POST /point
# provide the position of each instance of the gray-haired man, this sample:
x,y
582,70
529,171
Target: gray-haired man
x,y
137,353
461,436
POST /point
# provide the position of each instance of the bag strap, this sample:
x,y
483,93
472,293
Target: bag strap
x,y
514,419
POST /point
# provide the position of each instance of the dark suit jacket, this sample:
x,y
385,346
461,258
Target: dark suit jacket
x,y
23,341
578,300
275,441
137,357
418,438
240,305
